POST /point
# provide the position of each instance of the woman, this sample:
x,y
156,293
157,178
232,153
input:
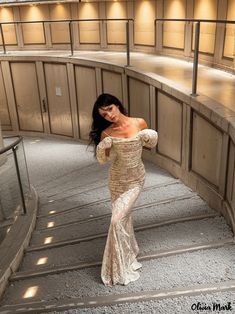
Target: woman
x,y
120,138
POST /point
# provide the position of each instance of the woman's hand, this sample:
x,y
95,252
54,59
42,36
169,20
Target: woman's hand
x,y
149,137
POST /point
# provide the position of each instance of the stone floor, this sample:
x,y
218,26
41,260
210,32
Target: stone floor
x,y
186,248
216,84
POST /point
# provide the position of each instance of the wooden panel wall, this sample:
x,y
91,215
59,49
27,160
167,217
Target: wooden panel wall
x,y
173,32
116,31
169,125
89,32
4,111
229,45
6,15
58,99
27,99
206,149
206,9
60,31
139,99
112,83
144,15
86,95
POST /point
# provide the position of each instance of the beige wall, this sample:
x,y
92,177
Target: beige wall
x,y
89,32
173,33
206,9
116,31
34,33
6,15
229,43
144,15
60,31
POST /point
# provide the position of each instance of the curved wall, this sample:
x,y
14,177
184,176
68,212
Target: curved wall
x,y
168,38
196,135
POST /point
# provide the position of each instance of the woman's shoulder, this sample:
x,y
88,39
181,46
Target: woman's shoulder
x,y
141,123
105,133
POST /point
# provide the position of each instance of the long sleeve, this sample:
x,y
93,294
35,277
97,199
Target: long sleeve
x,y
149,138
100,155
100,150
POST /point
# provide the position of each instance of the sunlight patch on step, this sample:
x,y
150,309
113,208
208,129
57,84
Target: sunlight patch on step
x,y
50,224
42,260
30,292
48,240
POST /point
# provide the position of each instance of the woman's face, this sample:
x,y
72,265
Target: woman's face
x,y
110,113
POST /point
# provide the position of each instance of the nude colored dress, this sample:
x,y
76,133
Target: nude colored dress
x,y
126,179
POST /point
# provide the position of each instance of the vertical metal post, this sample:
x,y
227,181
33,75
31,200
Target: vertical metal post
x,y
18,177
3,40
71,37
195,61
127,44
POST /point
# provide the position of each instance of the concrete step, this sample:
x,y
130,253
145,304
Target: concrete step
x,y
149,194
169,208
214,267
168,236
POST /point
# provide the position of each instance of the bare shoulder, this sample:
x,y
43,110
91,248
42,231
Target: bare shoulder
x,y
142,123
105,133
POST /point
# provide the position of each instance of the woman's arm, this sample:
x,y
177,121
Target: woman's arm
x,y
103,148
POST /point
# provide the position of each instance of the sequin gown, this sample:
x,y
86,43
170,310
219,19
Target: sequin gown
x,y
126,179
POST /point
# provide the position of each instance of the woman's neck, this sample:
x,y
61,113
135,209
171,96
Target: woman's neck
x,y
122,122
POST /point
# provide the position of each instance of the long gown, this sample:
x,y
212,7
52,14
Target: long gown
x,y
126,179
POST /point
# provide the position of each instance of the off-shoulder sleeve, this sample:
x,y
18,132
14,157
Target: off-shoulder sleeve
x,y
100,155
100,152
149,137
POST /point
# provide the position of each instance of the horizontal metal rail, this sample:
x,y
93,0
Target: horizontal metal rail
x,y
65,20
196,20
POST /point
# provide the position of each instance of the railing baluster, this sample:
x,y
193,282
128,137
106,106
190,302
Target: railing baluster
x,y
71,37
19,179
195,60
3,40
127,43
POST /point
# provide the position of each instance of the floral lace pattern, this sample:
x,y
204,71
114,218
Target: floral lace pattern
x,y
126,179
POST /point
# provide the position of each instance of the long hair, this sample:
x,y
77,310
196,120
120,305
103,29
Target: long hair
x,y
99,123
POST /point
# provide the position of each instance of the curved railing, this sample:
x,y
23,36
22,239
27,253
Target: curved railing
x,y
128,34
70,21
14,179
196,46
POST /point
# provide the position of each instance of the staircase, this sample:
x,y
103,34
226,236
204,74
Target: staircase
x,y
186,248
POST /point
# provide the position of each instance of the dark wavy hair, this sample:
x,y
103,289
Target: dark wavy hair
x,y
99,123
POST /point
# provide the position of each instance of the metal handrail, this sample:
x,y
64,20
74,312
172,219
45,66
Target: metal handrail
x,y
197,20
13,146
196,48
70,21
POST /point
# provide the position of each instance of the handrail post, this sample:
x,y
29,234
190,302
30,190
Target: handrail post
x,y
71,37
195,61
127,44
3,41
18,177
